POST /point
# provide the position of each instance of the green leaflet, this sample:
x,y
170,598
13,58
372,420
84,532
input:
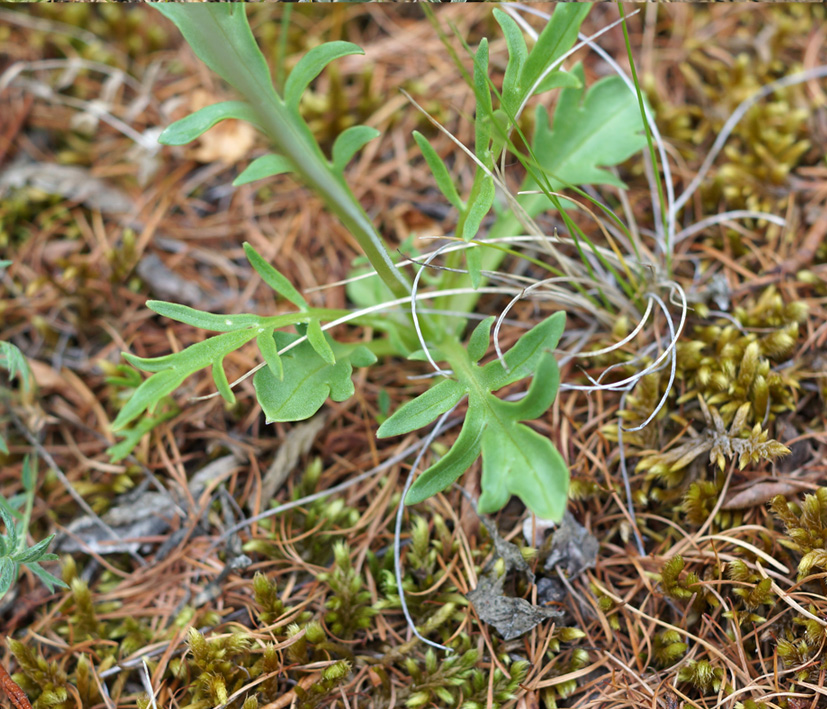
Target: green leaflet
x,y
557,37
439,171
13,550
13,361
423,409
308,379
199,318
522,359
516,82
196,124
455,462
480,203
480,337
263,167
513,90
267,347
132,436
8,574
348,143
319,342
274,279
311,65
516,459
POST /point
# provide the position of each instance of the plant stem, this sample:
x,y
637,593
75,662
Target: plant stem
x,y
226,44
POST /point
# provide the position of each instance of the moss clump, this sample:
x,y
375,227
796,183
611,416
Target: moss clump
x,y
806,526
349,602
306,532
702,675
771,139
453,682
44,682
668,648
730,388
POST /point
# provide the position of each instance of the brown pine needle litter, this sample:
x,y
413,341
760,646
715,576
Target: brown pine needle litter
x,y
193,584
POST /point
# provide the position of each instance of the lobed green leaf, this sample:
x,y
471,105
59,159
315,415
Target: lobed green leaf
x,y
196,356
516,460
308,379
171,370
602,129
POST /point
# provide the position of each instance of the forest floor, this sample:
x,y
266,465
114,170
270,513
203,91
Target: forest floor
x,y
706,588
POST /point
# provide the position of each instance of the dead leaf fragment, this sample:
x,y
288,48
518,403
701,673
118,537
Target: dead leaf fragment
x,y
761,493
510,616
573,547
296,444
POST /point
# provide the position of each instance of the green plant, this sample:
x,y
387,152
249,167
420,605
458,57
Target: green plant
x,y
13,361
303,369
14,552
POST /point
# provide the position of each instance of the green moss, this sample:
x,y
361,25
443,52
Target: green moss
x,y
349,609
771,139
